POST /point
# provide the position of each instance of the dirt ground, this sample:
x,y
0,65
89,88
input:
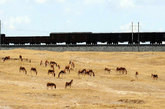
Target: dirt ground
x,y
104,91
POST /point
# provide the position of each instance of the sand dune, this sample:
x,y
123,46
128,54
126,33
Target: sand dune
x,y
105,90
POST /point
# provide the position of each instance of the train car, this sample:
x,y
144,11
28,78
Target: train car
x,y
88,38
2,38
124,37
15,40
159,38
95,37
100,37
25,39
115,38
76,38
60,38
108,38
41,39
162,35
147,37
71,38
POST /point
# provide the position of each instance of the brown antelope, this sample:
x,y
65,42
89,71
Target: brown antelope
x,y
72,64
41,63
51,72
6,58
51,85
53,63
107,69
52,66
46,63
22,69
154,76
136,75
34,70
88,72
28,60
122,70
58,66
20,57
67,68
82,71
61,72
68,83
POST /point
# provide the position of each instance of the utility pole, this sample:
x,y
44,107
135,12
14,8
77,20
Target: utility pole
x,y
132,36
138,36
0,32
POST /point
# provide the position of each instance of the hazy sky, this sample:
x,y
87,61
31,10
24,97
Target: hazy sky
x,y
40,17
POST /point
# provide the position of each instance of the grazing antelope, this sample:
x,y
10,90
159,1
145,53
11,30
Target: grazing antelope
x,y
67,68
34,70
72,64
61,72
52,66
136,75
41,63
122,70
58,66
154,76
107,69
68,84
46,63
51,85
28,60
53,63
22,69
82,71
6,58
20,57
51,72
88,72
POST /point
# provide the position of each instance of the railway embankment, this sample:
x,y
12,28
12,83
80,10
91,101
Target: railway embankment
x,y
104,48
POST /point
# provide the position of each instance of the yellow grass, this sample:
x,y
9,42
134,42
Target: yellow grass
x,y
105,90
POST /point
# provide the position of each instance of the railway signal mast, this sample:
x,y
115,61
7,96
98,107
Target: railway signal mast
x,y
138,36
138,40
0,32
132,36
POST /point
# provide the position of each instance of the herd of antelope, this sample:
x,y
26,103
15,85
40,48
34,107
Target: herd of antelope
x,y
67,69
51,71
123,70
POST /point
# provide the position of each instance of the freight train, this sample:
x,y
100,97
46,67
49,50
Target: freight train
x,y
87,38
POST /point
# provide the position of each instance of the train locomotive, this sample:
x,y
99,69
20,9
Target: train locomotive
x,y
89,38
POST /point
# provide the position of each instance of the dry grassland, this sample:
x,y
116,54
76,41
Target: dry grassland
x,y
104,91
